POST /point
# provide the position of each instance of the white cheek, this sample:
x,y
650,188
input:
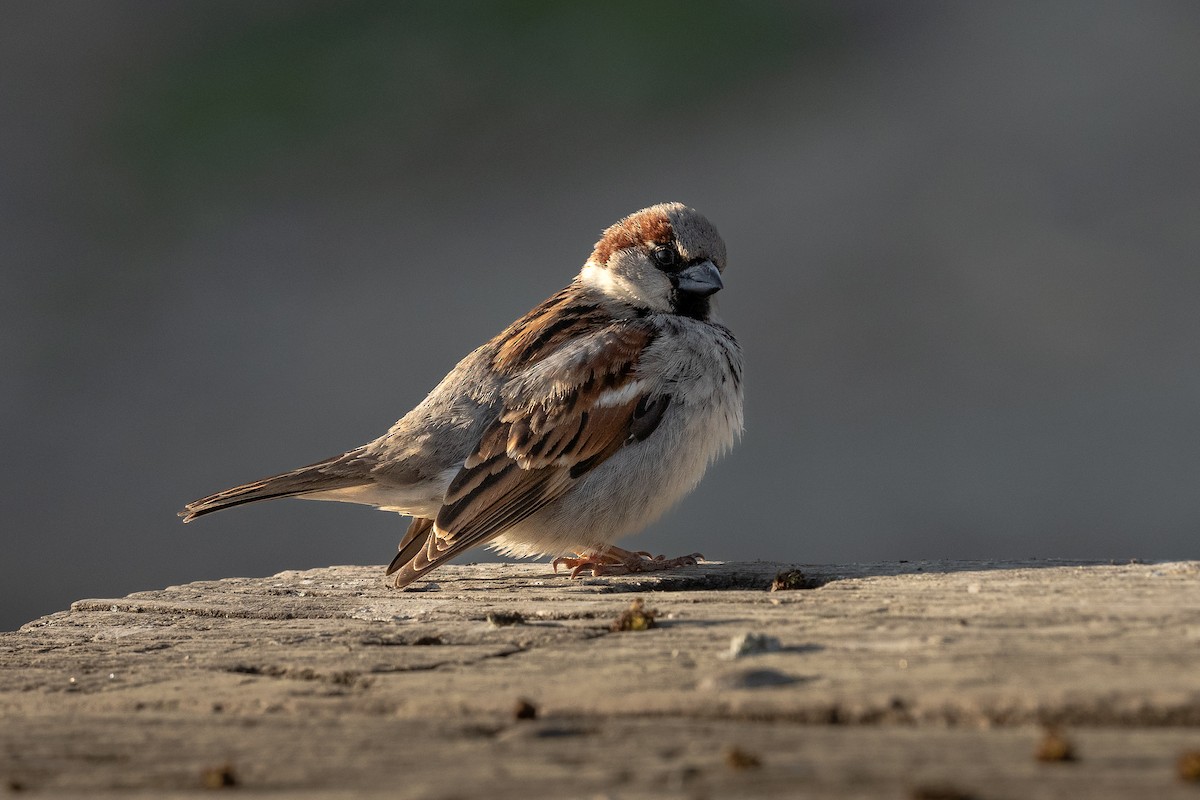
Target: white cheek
x,y
598,278
638,290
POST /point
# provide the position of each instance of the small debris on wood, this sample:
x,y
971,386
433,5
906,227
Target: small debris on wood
x,y
1055,747
524,709
752,644
1188,766
502,619
221,777
635,618
737,758
939,792
791,579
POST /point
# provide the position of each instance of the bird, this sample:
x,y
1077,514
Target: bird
x,y
579,424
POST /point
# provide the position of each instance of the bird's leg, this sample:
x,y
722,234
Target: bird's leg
x,y
619,561
596,561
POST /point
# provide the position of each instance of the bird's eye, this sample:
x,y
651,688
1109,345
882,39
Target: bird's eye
x,y
664,256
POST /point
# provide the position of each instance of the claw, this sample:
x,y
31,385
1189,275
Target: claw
x,y
617,561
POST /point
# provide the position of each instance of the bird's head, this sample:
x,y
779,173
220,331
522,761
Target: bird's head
x,y
663,259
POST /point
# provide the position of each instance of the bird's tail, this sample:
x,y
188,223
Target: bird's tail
x,y
340,472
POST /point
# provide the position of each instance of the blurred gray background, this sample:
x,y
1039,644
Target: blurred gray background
x,y
239,237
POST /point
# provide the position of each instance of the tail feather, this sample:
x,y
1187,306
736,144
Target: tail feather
x,y
339,472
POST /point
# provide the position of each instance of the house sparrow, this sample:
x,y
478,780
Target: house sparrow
x,y
581,423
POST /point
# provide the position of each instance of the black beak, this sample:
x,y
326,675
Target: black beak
x,y
700,279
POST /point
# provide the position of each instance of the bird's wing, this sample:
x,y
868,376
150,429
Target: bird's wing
x,y
560,418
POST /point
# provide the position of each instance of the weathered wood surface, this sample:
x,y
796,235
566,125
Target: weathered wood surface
x,y
891,680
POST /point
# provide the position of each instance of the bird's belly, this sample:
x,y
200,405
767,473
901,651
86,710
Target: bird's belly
x,y
635,486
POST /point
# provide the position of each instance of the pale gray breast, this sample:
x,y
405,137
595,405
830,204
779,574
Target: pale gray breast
x,y
700,365
700,361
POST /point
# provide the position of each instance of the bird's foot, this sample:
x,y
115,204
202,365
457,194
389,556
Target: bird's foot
x,y
618,561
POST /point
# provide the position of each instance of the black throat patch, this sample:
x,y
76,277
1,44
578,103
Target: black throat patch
x,y
686,304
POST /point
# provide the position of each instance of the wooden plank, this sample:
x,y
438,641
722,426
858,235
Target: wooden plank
x,y
881,680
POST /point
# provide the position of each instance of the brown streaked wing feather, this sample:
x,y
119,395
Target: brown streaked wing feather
x,y
537,334
537,448
414,537
419,557
423,555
